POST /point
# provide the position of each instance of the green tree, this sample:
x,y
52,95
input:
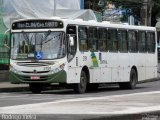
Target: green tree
x,y
144,10
155,11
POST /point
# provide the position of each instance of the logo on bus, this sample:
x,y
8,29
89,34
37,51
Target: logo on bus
x,y
94,60
38,55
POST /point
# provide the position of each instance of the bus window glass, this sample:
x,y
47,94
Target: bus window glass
x,y
141,41
83,38
122,36
153,44
150,42
93,41
132,41
102,39
49,44
112,40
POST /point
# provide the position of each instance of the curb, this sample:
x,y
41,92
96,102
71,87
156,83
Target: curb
x,y
4,75
14,89
26,88
149,80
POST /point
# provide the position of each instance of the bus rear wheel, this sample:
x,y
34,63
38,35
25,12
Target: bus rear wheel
x,y
81,87
35,88
132,83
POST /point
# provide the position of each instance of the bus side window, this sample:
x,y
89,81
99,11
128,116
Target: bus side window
x,y
83,38
151,42
122,38
132,41
109,36
93,40
112,40
142,41
102,45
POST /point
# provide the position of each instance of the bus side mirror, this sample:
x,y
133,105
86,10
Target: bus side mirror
x,y
71,41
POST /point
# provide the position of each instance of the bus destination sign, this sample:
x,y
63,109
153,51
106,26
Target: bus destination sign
x,y
37,24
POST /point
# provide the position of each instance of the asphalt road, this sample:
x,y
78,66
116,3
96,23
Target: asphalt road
x,y
24,98
20,98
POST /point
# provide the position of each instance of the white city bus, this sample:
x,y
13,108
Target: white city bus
x,y
81,54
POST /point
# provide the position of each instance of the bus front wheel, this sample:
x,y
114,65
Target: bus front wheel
x,y
35,88
81,87
132,83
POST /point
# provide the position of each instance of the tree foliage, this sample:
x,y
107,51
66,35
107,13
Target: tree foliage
x,y
135,6
153,8
155,11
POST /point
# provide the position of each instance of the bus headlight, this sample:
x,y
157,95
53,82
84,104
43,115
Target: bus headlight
x,y
12,69
55,71
52,71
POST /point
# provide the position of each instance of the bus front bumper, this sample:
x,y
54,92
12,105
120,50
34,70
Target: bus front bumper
x,y
59,77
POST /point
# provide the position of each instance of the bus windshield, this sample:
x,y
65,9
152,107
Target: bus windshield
x,y
49,45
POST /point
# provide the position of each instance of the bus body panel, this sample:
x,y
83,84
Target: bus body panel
x,y
74,70
104,67
53,73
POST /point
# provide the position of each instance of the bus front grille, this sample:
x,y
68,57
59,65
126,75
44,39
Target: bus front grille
x,y
34,64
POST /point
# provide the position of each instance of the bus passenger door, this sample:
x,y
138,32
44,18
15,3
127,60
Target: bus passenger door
x,y
71,38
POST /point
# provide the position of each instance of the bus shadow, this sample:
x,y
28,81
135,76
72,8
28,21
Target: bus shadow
x,y
62,91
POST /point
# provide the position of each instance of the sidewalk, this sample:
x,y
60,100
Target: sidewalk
x,y
4,75
8,87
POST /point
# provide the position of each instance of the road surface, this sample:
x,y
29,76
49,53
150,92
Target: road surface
x,y
107,101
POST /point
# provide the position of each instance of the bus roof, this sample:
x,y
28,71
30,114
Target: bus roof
x,y
94,23
108,24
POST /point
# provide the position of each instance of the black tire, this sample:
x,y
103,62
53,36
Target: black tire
x,y
92,86
35,88
132,83
81,87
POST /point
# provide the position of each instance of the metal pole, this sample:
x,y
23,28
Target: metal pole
x,y
82,4
54,8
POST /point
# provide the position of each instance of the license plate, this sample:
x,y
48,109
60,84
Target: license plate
x,y
35,77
